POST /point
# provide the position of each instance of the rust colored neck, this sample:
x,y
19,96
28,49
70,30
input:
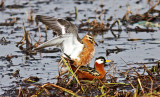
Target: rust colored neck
x,y
87,54
100,69
87,42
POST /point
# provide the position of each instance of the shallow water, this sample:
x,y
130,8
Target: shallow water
x,y
44,65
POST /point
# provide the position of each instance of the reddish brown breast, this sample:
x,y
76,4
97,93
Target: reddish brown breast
x,y
100,69
87,54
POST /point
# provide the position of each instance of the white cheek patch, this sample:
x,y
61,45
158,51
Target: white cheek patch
x,y
100,61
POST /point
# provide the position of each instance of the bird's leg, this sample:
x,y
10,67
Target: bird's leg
x,y
39,41
63,69
59,70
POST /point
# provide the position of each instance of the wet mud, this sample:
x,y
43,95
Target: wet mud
x,y
127,32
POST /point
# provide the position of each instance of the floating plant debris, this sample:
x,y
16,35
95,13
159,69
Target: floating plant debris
x,y
127,33
11,22
3,41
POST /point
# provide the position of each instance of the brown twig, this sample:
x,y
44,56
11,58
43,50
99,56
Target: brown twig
x,y
101,13
132,69
149,72
146,13
140,85
73,76
109,68
56,86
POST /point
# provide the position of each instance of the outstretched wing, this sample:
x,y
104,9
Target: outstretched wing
x,y
55,41
67,36
68,44
59,26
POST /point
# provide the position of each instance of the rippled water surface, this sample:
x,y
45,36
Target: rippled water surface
x,y
45,65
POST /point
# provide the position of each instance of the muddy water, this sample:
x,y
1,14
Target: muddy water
x,y
44,65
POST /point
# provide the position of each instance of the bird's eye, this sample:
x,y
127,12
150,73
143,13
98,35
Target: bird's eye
x,y
102,60
90,38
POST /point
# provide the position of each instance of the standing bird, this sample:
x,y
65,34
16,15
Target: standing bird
x,y
89,73
81,51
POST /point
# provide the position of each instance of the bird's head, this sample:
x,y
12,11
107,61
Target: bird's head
x,y
90,38
100,60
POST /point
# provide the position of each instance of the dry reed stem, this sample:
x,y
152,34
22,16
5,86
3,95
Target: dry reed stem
x,y
64,89
151,90
110,68
149,72
70,69
103,11
152,8
20,92
140,85
132,69
73,76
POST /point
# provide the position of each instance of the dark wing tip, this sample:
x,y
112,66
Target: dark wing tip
x,y
41,18
37,18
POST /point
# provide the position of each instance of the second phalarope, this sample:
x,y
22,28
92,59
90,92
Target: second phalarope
x,y
89,73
